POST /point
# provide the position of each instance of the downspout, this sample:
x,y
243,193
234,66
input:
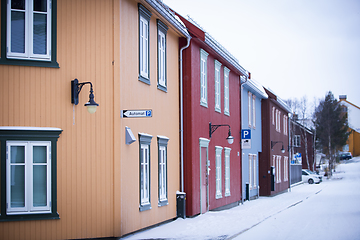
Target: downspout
x,y
241,122
182,116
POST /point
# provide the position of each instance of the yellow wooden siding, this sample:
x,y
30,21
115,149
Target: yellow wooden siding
x,y
40,97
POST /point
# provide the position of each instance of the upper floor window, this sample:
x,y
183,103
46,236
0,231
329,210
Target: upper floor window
x,y
285,119
249,108
30,36
254,111
226,92
217,87
297,141
162,30
273,115
144,50
203,78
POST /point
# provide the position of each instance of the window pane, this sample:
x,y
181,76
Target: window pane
x,y
39,154
18,32
40,34
40,5
40,186
18,4
17,154
17,186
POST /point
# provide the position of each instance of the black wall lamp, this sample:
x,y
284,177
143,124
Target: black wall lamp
x,y
75,91
274,143
212,129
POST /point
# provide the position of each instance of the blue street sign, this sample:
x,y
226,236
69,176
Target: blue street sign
x,y
246,134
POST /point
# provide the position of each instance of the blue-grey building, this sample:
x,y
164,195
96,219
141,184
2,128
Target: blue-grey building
x,y
252,95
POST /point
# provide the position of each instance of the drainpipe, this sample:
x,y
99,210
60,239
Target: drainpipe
x,y
182,116
241,112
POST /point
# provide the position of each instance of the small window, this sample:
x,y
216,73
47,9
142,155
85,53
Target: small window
x,y
162,80
217,87
273,115
144,47
30,33
254,111
144,144
249,108
297,141
218,151
162,170
226,92
286,168
203,78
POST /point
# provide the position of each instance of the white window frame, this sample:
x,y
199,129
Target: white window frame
x,y
254,111
162,171
203,78
249,108
226,92
162,78
29,32
286,169
297,141
217,87
227,171
285,118
273,115
278,168
218,153
28,164
144,45
144,171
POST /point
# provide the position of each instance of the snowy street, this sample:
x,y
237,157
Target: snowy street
x,y
329,210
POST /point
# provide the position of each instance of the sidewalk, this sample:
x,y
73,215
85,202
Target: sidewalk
x,y
230,223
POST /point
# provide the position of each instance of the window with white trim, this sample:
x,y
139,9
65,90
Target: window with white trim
x,y
226,92
227,171
144,145
218,151
203,78
252,171
273,115
249,108
285,122
144,49
29,177
162,30
278,168
217,87
286,169
162,170
28,173
254,111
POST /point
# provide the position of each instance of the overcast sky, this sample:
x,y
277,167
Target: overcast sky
x,y
294,47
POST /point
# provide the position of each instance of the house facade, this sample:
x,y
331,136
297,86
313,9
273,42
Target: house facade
x,y
301,150
274,158
66,173
252,97
212,166
353,115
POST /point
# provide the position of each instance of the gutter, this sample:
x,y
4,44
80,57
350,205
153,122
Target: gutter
x,y
182,116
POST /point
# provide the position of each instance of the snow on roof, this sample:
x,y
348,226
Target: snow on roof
x,y
257,87
353,115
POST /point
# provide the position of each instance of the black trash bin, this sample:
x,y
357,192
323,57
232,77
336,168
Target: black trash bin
x,y
180,204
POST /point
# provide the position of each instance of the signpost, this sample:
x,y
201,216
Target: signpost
x,y
136,113
246,139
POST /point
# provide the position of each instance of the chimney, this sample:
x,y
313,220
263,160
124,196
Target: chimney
x,y
342,97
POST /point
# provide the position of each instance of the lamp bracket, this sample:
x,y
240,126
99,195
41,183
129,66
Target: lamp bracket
x,y
212,128
76,89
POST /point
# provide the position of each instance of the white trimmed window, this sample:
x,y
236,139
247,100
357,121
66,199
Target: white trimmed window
x,y
249,109
144,50
286,169
278,168
28,170
297,141
273,115
144,144
162,30
227,171
218,151
203,78
254,111
226,92
285,118
29,29
252,171
217,87
162,170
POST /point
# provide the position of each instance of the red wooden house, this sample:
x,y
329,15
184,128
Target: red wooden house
x,y
212,166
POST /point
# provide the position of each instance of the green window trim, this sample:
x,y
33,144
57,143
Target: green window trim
x,y
29,62
28,134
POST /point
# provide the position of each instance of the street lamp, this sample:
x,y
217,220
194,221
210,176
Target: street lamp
x,y
76,87
212,129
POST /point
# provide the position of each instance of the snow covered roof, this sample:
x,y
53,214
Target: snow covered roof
x,y
256,87
353,114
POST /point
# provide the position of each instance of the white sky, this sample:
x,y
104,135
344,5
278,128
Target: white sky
x,y
296,48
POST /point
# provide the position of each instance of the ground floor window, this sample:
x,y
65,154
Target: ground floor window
x,y
144,145
28,173
227,171
218,151
163,193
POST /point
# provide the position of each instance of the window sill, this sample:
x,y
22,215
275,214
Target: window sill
x,y
144,207
32,63
162,88
29,217
163,203
144,80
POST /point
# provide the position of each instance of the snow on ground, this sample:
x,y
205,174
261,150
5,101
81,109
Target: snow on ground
x,y
277,216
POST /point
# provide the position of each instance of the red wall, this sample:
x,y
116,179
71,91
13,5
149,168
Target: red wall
x,y
196,125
